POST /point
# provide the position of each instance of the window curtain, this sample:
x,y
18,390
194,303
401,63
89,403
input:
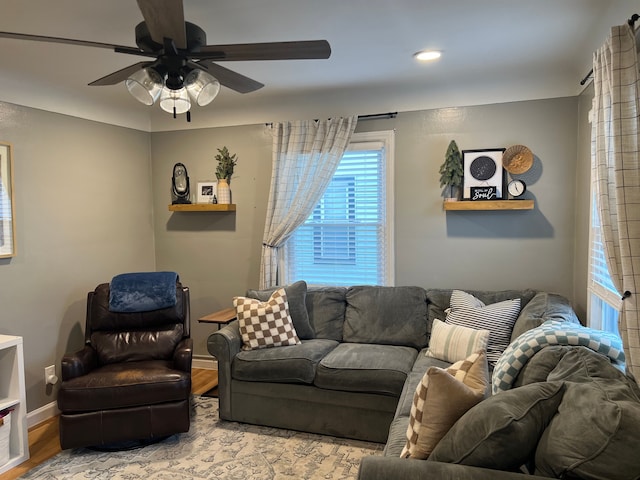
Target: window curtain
x,y
306,154
617,174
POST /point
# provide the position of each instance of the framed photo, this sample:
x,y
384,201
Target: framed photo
x,y
206,191
7,218
484,177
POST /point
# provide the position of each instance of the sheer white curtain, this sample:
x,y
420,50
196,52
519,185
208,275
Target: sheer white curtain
x,y
306,154
617,170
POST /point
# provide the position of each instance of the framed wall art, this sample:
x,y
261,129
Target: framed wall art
x,y
206,191
483,177
7,217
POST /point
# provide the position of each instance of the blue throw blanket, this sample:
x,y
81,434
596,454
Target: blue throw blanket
x,y
142,292
553,332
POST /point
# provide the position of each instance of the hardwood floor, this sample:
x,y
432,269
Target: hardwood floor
x,y
44,440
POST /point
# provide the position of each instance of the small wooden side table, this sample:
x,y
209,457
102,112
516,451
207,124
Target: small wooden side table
x,y
220,318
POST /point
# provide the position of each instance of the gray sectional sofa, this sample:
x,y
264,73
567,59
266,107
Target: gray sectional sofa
x,y
354,373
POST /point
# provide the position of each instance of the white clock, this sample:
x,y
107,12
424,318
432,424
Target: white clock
x,y
516,188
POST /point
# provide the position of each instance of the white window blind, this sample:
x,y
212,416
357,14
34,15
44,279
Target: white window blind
x,y
604,301
347,240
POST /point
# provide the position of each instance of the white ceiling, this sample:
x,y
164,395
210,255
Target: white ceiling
x,y
493,51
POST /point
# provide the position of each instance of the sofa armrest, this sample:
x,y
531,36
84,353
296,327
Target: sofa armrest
x,y
225,344
78,363
183,355
383,468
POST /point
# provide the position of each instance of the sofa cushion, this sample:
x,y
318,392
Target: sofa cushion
x,y
421,365
498,318
595,433
326,307
137,345
544,306
358,367
296,296
124,385
293,364
265,324
502,431
452,343
441,398
386,315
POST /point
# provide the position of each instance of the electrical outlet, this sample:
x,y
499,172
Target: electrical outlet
x,y
49,374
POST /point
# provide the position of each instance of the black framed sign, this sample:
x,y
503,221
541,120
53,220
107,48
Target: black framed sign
x,y
484,177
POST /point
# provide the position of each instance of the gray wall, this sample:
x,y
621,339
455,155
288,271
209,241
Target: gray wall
x,y
82,214
217,254
90,204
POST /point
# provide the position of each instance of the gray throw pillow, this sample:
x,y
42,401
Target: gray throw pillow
x,y
296,296
502,431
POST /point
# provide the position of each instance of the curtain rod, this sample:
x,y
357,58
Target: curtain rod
x,y
373,116
634,18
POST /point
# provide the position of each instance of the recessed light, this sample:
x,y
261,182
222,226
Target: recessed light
x,y
427,55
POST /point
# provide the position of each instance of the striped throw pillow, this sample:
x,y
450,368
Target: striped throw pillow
x,y
499,318
452,343
265,324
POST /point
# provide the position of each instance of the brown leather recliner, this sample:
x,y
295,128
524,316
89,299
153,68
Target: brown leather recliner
x,y
132,380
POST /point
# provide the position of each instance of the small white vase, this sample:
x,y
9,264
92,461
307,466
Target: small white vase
x,y
223,192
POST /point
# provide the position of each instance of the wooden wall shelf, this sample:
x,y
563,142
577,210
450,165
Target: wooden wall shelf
x,y
203,207
490,205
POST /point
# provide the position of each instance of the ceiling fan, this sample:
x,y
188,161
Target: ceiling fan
x,y
183,65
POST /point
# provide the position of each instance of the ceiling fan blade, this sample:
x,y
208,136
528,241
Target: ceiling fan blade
x,y
307,49
69,41
165,19
120,75
229,78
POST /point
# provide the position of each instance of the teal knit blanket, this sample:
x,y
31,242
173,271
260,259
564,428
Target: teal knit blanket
x,y
553,332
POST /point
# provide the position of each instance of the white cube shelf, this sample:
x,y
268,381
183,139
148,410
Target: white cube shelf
x,y
12,395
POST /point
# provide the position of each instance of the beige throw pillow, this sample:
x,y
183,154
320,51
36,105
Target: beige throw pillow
x,y
265,324
452,343
441,398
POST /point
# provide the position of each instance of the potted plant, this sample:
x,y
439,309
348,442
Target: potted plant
x,y
224,170
451,171
226,163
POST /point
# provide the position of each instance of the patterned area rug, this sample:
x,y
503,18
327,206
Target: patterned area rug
x,y
217,449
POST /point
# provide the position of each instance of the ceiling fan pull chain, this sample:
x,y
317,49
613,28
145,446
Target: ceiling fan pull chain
x,y
174,112
188,116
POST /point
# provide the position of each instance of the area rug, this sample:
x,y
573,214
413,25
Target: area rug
x,y
216,449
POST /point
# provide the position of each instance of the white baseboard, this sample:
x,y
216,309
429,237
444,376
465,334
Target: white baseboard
x,y
204,361
51,409
41,414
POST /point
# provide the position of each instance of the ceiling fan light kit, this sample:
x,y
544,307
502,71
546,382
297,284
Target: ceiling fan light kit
x,y
202,87
183,68
145,85
175,101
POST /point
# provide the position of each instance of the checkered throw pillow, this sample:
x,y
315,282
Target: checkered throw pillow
x,y
265,324
441,398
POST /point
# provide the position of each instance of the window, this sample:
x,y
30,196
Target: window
x,y
348,238
604,301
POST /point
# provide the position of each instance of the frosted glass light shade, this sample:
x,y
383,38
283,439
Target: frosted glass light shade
x,y
202,86
145,85
175,99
